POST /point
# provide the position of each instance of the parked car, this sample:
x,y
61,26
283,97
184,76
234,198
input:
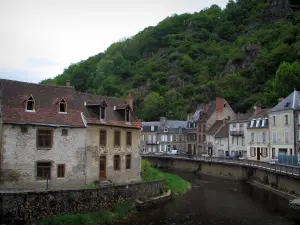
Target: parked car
x,y
172,152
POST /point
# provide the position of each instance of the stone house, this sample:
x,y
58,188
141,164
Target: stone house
x,y
164,135
281,125
258,147
149,140
217,138
68,139
238,139
207,116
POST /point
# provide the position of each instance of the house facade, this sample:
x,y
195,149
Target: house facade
x,y
149,138
207,116
282,125
238,138
297,130
164,135
217,138
67,139
258,147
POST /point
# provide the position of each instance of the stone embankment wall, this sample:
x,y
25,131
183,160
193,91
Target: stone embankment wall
x,y
28,207
284,182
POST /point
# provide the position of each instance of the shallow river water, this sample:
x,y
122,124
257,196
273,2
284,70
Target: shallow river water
x,y
219,201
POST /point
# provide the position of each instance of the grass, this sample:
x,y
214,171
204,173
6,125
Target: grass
x,y
119,211
175,183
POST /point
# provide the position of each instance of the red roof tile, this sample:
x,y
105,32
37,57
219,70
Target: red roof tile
x,y
13,102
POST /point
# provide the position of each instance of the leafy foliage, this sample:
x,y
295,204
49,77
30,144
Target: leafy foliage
x,y
190,59
175,183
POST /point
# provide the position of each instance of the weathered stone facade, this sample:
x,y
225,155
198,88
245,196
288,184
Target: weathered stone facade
x,y
94,151
28,207
20,155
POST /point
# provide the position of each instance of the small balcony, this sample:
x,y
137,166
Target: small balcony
x,y
237,133
152,142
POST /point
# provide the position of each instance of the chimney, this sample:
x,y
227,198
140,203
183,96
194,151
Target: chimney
x,y
129,101
280,99
68,83
220,103
162,120
257,109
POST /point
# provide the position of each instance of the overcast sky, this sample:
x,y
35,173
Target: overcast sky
x,y
39,38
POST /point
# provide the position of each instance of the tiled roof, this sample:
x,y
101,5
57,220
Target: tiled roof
x,y
223,132
242,118
262,113
215,127
46,98
290,102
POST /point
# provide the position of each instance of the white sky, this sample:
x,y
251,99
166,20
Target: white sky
x,y
39,38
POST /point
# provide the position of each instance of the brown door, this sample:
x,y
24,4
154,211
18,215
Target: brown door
x,y
102,167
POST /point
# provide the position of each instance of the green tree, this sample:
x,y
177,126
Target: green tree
x,y
154,107
287,78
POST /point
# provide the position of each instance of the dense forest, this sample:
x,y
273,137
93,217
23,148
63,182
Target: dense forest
x,y
247,53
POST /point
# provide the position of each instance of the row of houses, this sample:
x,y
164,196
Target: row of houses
x,y
216,130
56,136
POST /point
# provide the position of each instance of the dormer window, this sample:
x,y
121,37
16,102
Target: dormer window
x,y
166,130
30,104
62,106
127,115
102,113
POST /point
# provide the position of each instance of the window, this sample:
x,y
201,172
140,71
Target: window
x,y
257,123
234,125
103,138
263,136
252,137
60,170
166,129
117,138
237,140
204,138
128,138
299,119
221,142
62,106
286,137
24,130
128,162
274,120
291,151
199,137
232,140
143,137
273,153
252,123
286,119
258,137
243,141
152,128
117,162
252,152
127,115
199,127
174,147
274,137
264,152
30,104
64,132
263,122
102,113
44,138
170,138
43,170
204,128
241,125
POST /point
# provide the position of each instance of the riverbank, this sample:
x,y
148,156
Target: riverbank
x,y
174,183
119,211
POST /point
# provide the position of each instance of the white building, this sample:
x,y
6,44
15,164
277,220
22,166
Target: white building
x,y
238,135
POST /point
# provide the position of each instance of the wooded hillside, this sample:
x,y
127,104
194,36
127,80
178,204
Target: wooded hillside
x,y
246,53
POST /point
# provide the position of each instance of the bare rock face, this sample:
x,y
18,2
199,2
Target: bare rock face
x,y
280,6
248,52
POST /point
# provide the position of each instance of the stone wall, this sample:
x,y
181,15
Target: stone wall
x,y
94,151
20,155
27,207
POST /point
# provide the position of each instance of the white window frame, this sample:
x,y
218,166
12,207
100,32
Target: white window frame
x,y
152,128
286,136
286,122
263,136
274,134
263,122
257,122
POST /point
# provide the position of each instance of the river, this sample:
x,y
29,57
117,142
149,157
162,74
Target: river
x,y
214,201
